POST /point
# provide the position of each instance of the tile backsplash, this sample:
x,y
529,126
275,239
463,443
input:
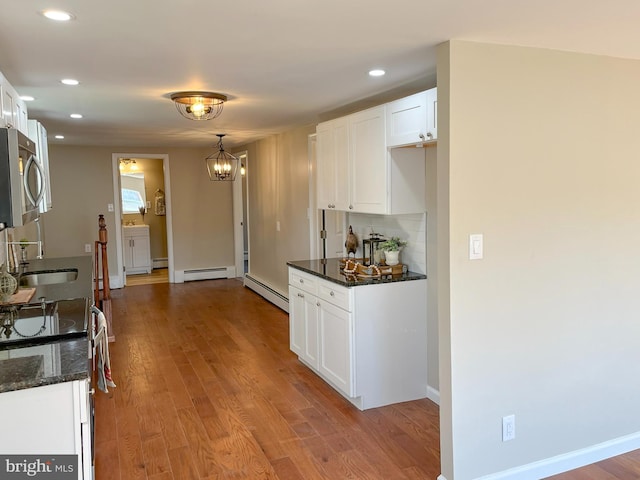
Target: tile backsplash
x,y
412,228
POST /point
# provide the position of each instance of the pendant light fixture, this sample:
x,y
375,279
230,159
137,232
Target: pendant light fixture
x,y
222,165
197,105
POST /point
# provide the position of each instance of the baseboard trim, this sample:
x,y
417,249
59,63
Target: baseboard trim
x,y
433,395
265,291
160,263
569,461
181,276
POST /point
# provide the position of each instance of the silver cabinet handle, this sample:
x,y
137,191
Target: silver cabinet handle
x,y
350,207
429,134
317,304
301,295
301,281
421,135
332,294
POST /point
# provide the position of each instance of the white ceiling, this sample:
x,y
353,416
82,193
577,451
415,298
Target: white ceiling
x,y
281,62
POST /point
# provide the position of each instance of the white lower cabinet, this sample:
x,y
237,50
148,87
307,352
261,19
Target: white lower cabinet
x,y
137,249
304,332
50,420
368,342
335,332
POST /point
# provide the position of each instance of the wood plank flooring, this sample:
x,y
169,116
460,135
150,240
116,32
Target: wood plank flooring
x,y
208,389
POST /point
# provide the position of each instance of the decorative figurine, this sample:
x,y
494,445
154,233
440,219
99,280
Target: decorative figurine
x,y
352,242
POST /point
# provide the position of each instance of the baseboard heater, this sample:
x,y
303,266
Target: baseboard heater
x,y
205,274
267,292
160,262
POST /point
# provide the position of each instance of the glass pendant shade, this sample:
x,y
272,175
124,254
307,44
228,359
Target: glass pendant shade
x,y
197,105
222,165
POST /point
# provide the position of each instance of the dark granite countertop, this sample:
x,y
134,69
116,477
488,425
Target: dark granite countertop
x,y
329,269
46,364
62,354
81,287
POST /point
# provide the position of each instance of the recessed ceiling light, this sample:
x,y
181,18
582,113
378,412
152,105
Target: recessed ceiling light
x,y
377,72
70,81
57,15
27,98
75,115
60,137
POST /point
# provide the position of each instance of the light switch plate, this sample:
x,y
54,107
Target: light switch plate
x,y
476,246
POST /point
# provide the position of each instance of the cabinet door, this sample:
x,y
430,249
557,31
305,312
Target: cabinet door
x,y
335,327
8,105
141,253
407,120
332,160
368,161
296,320
303,325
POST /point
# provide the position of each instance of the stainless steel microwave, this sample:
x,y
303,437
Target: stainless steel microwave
x,y
22,180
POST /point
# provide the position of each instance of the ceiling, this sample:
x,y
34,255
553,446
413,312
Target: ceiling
x,y
281,62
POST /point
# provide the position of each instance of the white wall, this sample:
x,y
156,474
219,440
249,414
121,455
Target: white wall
x,y
411,228
538,151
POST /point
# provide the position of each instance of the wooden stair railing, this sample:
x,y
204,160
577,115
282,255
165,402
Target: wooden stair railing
x,y
102,297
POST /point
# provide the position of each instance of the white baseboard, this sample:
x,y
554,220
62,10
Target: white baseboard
x,y
160,263
441,477
181,276
433,395
267,292
569,461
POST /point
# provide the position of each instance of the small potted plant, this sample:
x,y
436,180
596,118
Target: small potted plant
x,y
391,249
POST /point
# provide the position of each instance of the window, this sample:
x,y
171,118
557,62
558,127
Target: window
x,y
132,191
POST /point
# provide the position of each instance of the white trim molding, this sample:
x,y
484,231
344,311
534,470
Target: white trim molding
x,y
569,461
433,395
182,276
265,291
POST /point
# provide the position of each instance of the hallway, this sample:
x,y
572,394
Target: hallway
x,y
208,389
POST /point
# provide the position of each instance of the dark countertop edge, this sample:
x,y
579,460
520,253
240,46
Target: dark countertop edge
x,y
41,382
298,264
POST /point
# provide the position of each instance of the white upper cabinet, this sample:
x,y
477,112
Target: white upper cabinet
x,y
14,109
356,172
332,154
413,119
368,161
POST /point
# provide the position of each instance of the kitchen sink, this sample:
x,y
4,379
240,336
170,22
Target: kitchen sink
x,y
48,277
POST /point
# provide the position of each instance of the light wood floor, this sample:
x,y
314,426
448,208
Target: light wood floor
x,y
157,275
208,389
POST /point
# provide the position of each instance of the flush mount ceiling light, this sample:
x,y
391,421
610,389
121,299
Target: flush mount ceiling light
x,y
196,105
70,81
222,165
378,72
57,15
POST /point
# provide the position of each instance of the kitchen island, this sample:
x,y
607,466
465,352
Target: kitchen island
x,y
45,364
366,337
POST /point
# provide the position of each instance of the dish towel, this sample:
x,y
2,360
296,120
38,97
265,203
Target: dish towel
x,y
101,343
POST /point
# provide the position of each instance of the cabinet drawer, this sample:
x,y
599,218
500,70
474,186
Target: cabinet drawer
x,y
303,280
335,294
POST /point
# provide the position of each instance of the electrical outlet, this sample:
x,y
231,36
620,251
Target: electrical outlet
x,y
87,248
110,207
508,428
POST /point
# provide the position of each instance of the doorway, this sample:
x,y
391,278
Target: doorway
x,y
145,180
241,215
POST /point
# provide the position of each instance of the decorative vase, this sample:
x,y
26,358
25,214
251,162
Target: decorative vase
x,y
392,257
8,284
